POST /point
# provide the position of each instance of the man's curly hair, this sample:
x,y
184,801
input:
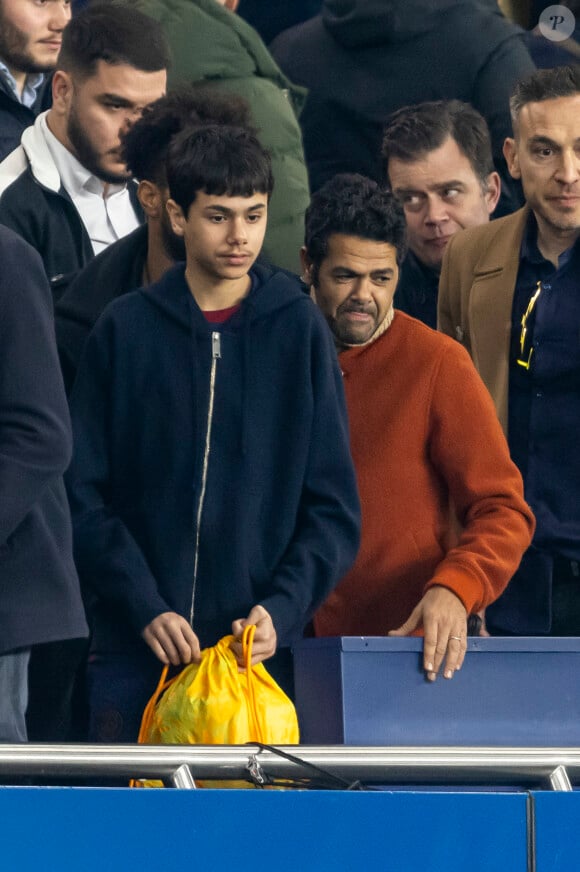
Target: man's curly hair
x,y
146,144
354,206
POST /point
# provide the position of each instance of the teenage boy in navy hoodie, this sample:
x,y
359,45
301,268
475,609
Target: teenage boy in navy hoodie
x,y
212,484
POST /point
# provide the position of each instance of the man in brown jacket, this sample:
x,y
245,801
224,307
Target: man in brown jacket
x,y
509,293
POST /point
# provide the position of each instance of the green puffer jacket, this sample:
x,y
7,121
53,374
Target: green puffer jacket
x,y
210,43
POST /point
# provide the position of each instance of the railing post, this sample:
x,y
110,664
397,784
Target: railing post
x,y
183,779
559,779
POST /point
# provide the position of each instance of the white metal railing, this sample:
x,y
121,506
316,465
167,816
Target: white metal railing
x,y
180,765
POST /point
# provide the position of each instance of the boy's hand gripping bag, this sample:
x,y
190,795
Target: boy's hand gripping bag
x,y
213,703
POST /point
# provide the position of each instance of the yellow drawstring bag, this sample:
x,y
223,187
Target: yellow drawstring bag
x,y
213,703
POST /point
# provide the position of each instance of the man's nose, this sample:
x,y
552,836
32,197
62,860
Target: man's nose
x,y
569,167
436,210
362,289
61,13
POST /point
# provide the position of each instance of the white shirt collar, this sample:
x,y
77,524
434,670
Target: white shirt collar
x,y
106,218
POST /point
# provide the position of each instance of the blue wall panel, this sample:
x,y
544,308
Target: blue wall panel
x,y
557,826
46,829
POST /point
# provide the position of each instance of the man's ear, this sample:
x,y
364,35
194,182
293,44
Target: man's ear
x,y
150,198
176,217
493,191
62,91
510,152
306,266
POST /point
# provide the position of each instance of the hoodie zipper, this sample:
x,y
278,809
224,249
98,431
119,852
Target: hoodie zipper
x,y
216,354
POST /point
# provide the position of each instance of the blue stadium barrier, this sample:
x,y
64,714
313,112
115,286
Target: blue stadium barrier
x,y
85,830
556,832
517,692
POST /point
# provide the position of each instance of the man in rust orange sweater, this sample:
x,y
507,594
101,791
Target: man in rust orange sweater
x,y
425,440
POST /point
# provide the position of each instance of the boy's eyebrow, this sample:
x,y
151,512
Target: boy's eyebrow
x,y
224,210
348,271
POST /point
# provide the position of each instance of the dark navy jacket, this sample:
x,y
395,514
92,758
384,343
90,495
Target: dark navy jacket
x,y
40,599
36,206
50,222
417,291
543,426
229,443
115,271
15,117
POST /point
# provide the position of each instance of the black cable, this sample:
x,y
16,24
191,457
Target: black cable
x,y
324,780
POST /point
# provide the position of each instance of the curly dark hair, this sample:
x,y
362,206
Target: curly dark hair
x,y
354,206
146,144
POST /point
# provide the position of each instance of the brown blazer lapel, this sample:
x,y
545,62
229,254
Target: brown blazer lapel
x,y
490,306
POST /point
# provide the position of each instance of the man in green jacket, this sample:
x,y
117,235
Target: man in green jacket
x,y
210,42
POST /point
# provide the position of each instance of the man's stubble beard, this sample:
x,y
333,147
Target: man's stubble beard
x,y
86,153
556,226
13,49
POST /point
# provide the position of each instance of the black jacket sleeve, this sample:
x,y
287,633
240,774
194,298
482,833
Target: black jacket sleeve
x,y
35,439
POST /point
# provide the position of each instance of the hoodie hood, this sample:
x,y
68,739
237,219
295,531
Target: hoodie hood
x,y
363,23
272,290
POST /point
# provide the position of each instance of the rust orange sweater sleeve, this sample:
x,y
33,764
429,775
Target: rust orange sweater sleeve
x,y
467,446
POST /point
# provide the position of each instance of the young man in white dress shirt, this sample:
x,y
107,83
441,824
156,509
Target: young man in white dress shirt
x,y
66,189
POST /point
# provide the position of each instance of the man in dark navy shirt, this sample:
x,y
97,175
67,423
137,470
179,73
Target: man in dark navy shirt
x,y
511,293
439,165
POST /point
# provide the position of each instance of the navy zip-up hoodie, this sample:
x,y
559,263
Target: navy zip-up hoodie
x,y
267,500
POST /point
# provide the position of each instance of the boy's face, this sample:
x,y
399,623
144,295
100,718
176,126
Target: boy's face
x,y
223,235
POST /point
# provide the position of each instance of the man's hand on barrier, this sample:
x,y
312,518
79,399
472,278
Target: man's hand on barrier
x,y
444,620
172,640
264,638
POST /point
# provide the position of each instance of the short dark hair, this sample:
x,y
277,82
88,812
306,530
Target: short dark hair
x,y
115,34
217,159
354,206
544,85
414,131
146,143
